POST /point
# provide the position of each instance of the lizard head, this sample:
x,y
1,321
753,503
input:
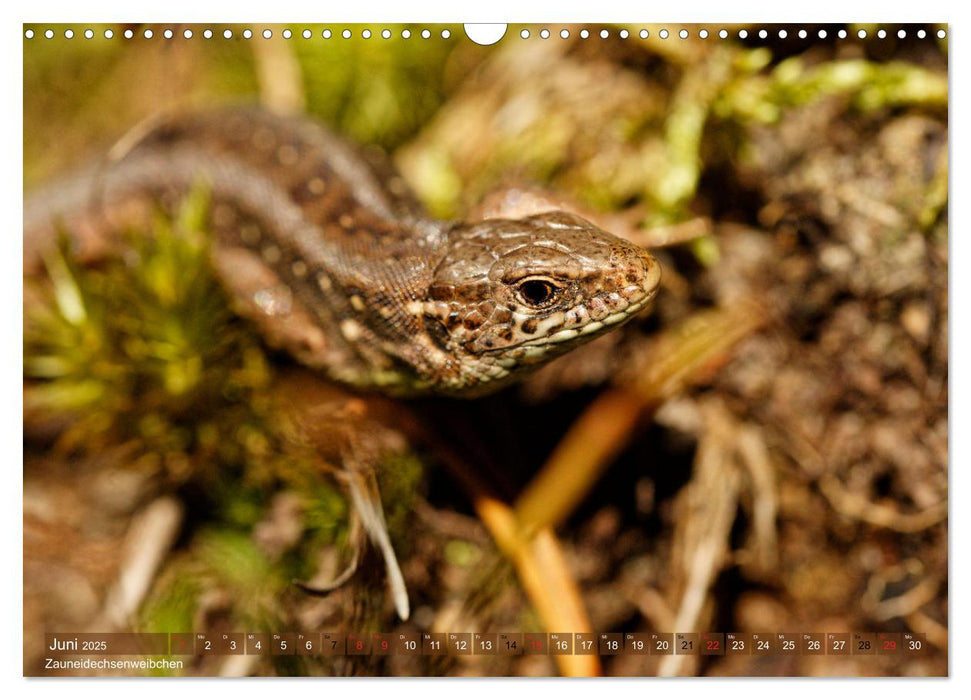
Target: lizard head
x,y
510,294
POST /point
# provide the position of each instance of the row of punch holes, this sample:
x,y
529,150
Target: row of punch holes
x,y
481,37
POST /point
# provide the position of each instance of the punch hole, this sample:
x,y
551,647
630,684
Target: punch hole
x,y
207,34
346,33
882,34
129,33
425,34
524,34
584,34
167,34
822,33
49,34
861,34
941,34
247,34
683,34
604,33
405,33
227,34
306,34
68,33
287,34
644,34
703,34
841,33
663,33
366,34
148,34
921,33
803,33
29,33
109,34
783,34
545,34
88,34
723,34
763,34
624,33
267,33
187,34
446,34
564,33
743,34
327,34
386,34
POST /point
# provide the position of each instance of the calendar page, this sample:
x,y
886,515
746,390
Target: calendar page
x,y
507,350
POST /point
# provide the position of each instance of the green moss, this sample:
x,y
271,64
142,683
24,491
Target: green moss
x,y
143,348
400,478
376,90
173,607
144,351
867,86
461,553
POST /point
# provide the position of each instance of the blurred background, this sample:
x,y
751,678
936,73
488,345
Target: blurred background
x,y
765,453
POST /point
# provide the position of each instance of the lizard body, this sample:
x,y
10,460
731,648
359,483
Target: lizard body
x,y
325,248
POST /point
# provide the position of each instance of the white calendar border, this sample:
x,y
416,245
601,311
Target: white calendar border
x,y
486,11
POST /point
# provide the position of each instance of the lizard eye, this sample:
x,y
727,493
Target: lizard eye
x,y
537,292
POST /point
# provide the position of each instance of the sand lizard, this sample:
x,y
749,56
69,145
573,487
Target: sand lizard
x,y
322,245
325,248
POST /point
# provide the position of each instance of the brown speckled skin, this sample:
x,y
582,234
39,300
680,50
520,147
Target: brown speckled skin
x,y
324,247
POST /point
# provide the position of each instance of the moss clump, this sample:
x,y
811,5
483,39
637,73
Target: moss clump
x,y
144,351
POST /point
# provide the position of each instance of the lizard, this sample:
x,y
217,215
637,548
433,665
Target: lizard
x,y
335,260
322,245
